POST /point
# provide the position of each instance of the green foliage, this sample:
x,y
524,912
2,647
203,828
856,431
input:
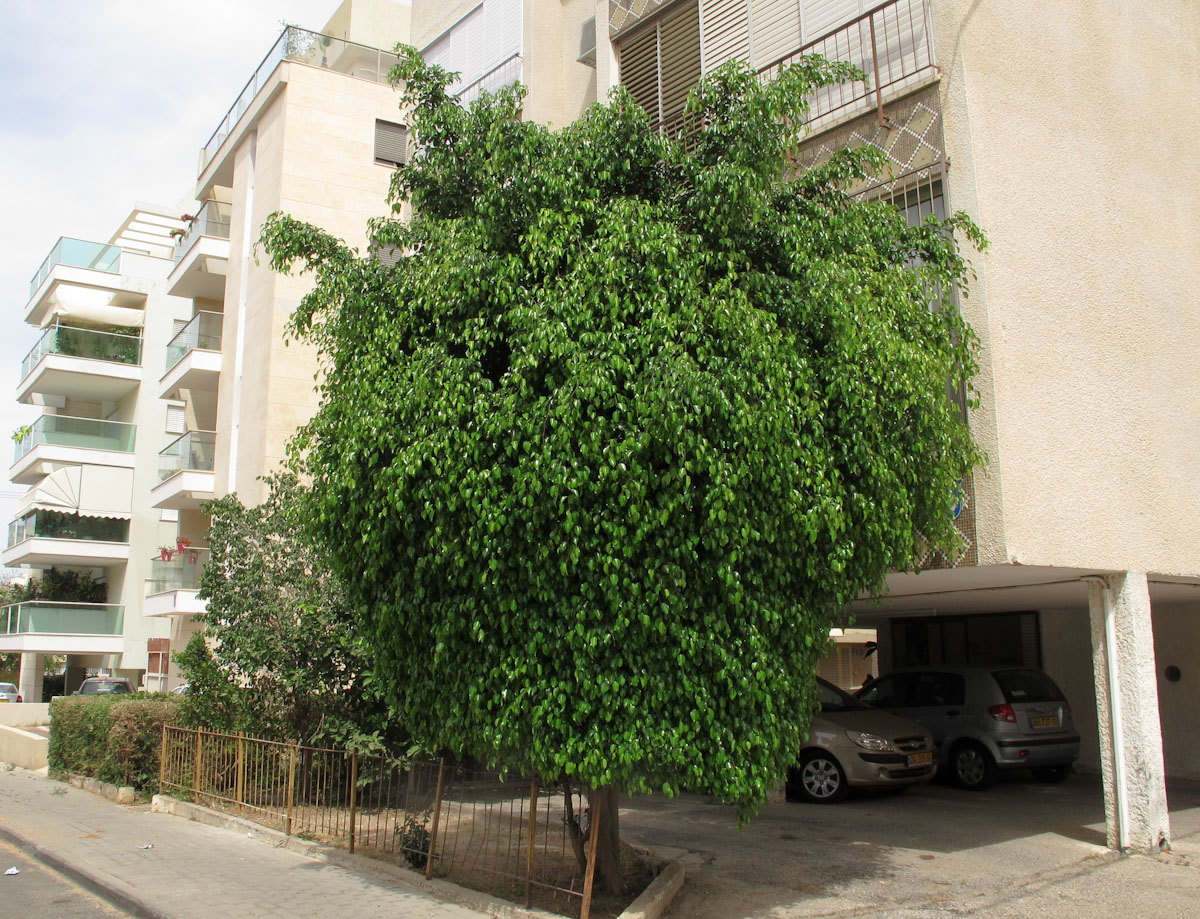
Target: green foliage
x,y
602,458
283,658
116,738
413,839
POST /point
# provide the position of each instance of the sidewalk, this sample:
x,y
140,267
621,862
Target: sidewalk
x,y
194,871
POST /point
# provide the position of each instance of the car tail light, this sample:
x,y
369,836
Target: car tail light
x,y
19,699
1003,713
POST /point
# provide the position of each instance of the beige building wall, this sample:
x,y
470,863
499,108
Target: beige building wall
x,y
1072,134
311,155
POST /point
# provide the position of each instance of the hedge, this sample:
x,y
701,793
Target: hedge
x,y
115,739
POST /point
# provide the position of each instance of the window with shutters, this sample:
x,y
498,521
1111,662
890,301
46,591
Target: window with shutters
x,y
483,48
391,143
176,419
660,64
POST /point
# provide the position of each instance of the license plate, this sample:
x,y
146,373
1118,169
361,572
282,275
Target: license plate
x,y
919,759
1044,721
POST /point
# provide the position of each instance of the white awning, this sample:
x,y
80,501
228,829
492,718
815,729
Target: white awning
x,y
90,491
87,304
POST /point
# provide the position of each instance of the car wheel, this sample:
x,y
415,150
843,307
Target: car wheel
x,y
972,766
818,779
1052,775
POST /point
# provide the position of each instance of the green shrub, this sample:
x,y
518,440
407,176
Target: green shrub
x,y
115,739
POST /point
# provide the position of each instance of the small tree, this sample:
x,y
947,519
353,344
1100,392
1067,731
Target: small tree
x,y
609,449
280,654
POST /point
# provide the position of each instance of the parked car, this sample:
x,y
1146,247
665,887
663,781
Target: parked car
x,y
8,693
102,685
984,719
851,745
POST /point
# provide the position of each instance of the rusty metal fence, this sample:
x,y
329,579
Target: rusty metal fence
x,y
505,835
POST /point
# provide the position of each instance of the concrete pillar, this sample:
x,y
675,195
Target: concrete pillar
x,y
29,684
606,55
1131,756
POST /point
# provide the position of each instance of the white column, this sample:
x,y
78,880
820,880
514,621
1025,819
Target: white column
x,y
29,683
606,55
1131,757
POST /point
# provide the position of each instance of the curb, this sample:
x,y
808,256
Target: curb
x,y
650,904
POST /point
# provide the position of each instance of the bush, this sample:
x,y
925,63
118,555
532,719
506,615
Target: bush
x,y
115,739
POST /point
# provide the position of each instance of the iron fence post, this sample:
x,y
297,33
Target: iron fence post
x,y
353,795
437,813
241,770
162,760
291,784
533,797
199,759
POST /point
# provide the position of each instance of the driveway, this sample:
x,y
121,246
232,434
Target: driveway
x,y
935,848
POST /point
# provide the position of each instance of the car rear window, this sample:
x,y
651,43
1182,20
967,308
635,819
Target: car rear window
x,y
7,687
1027,686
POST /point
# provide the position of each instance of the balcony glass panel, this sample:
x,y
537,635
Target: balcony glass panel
x,y
195,450
202,333
74,342
211,220
78,253
181,571
306,47
45,524
64,431
51,617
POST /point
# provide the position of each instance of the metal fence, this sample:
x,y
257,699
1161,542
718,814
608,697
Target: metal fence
x,y
505,835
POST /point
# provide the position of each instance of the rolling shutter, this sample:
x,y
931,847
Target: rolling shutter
x,y
725,32
775,30
822,16
391,143
659,66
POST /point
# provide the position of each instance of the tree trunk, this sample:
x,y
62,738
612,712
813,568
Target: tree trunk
x,y
609,877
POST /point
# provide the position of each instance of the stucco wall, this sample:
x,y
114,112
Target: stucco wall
x,y
1176,639
1071,134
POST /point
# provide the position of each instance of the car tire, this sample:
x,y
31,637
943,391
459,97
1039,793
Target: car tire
x,y
1052,775
818,779
972,766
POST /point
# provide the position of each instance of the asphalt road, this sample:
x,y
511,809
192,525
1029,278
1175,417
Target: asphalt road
x,y
41,893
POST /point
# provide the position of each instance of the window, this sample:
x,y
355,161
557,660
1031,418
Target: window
x,y
158,655
176,418
391,143
660,64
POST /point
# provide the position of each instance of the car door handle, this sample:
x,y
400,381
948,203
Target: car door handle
x,y
953,713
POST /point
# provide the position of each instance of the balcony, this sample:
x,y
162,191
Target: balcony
x,y
84,363
202,254
194,357
54,441
185,471
43,538
87,274
53,627
173,584
300,46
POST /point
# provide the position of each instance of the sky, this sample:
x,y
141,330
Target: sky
x,y
104,103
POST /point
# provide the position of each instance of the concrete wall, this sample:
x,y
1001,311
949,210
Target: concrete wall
x,y
1067,657
1071,132
22,714
22,748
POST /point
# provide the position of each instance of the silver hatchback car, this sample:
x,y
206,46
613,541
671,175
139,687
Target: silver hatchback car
x,y
984,719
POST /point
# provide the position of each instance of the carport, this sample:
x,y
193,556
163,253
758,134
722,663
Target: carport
x,y
1118,643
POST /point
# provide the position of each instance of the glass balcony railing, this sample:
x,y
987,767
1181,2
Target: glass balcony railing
x,y
306,47
65,431
195,451
43,524
181,571
211,220
51,617
74,342
203,333
78,253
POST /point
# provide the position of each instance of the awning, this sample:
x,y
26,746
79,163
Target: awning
x,y
90,491
87,304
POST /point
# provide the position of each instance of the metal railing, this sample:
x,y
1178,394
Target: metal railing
x,y
44,524
76,342
51,617
194,451
891,43
506,836
303,46
182,571
212,219
66,431
202,333
506,72
77,253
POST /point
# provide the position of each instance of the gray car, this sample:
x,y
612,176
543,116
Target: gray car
x,y
8,693
851,745
984,719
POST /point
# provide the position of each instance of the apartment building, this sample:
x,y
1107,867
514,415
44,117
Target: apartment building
x,y
1057,128
162,366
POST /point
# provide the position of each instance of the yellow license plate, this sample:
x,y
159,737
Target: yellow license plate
x,y
1044,721
920,759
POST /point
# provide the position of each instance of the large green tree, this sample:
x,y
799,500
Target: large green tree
x,y
607,448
